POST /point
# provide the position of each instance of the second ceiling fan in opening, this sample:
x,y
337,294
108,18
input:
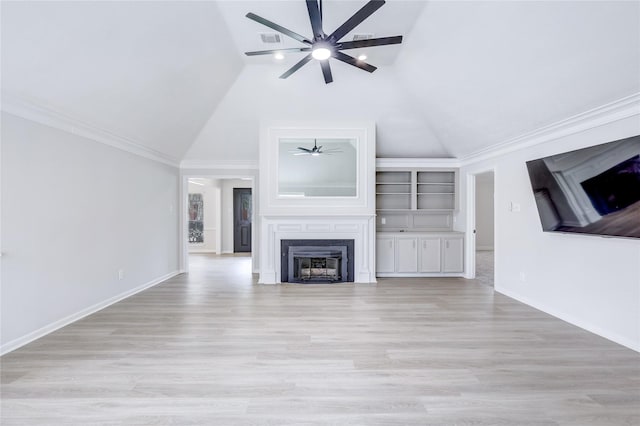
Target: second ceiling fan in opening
x,y
322,46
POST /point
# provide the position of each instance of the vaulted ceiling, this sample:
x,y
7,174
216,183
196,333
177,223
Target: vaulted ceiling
x,y
172,77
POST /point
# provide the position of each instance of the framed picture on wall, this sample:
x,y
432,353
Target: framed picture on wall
x,y
196,225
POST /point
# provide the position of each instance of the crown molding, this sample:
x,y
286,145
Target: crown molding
x,y
626,107
218,165
48,116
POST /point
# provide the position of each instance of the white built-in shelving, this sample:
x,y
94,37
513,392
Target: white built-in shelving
x,y
426,190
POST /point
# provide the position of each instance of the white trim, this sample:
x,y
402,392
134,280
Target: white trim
x,y
571,320
470,236
41,332
596,117
48,116
470,208
222,165
417,162
484,248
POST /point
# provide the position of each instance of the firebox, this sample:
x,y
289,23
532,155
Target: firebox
x,y
317,261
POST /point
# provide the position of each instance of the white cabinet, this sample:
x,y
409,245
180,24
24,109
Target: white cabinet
x,y
406,254
430,254
452,248
421,254
385,254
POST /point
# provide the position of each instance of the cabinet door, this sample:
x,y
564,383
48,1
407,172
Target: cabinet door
x,y
385,254
429,254
407,252
453,254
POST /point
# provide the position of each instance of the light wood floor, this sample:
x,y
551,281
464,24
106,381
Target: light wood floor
x,y
214,348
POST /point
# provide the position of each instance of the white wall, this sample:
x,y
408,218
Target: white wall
x,y
227,211
211,197
590,281
232,132
74,213
484,211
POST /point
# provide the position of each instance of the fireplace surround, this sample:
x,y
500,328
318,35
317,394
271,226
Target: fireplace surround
x,y
333,215
316,261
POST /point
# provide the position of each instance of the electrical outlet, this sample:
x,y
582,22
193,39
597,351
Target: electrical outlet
x,y
383,220
120,274
515,207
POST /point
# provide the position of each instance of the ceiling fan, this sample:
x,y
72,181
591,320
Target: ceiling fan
x,y
315,151
322,46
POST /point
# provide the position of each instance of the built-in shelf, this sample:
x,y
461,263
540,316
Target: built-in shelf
x,y
416,199
416,189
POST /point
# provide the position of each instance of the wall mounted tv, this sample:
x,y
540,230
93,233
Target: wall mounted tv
x,y
594,190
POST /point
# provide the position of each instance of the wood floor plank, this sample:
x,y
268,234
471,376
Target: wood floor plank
x,y
214,348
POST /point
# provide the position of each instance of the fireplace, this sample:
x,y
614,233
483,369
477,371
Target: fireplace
x,y
317,261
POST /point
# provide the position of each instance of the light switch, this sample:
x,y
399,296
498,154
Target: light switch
x,y
515,207
383,220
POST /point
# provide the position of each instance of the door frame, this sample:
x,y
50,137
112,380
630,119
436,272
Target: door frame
x,y
470,239
183,244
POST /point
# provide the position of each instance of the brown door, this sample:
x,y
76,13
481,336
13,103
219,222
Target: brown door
x,y
241,220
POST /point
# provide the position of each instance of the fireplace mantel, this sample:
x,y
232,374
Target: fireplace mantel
x,y
319,217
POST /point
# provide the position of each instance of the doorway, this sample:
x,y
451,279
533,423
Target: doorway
x,y
484,227
242,206
217,238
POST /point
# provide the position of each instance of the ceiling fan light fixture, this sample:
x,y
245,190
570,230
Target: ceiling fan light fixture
x,y
322,46
321,53
279,56
362,57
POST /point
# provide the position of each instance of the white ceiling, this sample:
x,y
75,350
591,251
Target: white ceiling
x,y
172,75
396,17
152,72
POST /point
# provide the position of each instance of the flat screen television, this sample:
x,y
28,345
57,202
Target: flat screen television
x,y
594,190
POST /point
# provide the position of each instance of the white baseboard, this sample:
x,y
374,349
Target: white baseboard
x,y
267,278
621,340
41,332
196,251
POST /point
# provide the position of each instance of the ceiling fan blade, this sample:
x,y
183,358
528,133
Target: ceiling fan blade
x,y
320,147
382,41
297,66
356,19
353,61
304,149
278,28
326,71
269,52
315,18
